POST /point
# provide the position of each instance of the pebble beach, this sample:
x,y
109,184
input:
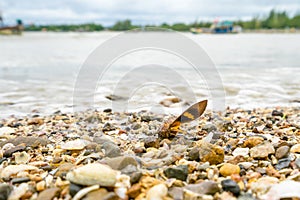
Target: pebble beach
x,y
235,154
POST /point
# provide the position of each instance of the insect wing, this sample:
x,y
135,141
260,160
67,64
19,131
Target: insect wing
x,y
189,115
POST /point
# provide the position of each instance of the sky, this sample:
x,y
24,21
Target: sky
x,y
140,12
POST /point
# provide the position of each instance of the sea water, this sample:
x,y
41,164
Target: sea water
x,y
38,72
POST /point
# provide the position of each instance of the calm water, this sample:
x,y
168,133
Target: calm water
x,y
38,71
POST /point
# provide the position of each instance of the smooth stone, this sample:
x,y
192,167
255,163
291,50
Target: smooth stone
x,y
226,196
282,152
74,188
97,194
120,162
151,142
14,169
134,190
240,152
297,162
262,151
205,187
85,191
29,141
228,169
209,127
157,192
277,113
246,165
253,141
246,196
203,166
263,184
63,169
231,186
5,190
284,190
211,153
111,150
194,154
135,177
18,192
295,148
78,144
176,193
92,174
20,180
133,173
283,163
180,172
9,152
48,194
7,130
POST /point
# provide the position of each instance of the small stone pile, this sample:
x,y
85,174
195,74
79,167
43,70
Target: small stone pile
x,y
236,154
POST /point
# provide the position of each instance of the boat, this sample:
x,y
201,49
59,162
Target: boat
x,y
219,27
11,30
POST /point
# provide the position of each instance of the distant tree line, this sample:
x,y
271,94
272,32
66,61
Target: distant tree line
x,y
274,20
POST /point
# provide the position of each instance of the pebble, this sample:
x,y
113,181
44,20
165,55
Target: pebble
x,y
134,190
18,192
206,187
48,194
85,191
262,150
29,141
194,154
263,184
157,192
74,188
21,157
285,190
253,141
40,186
240,152
283,163
20,180
180,172
246,165
209,127
151,142
78,144
8,171
98,194
5,190
297,162
295,148
277,113
6,131
228,169
246,196
9,152
111,150
120,162
282,152
211,153
92,174
231,186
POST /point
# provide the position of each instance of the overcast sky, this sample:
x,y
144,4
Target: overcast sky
x,y
107,12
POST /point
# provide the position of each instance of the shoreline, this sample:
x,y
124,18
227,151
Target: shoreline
x,y
245,31
249,153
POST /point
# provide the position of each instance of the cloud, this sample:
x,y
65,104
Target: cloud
x,y
140,12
